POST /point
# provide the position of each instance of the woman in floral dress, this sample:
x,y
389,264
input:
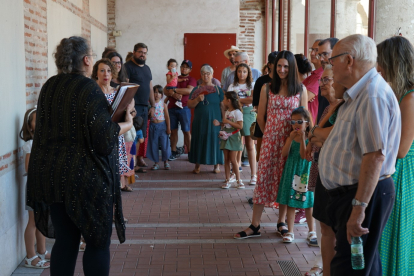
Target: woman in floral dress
x,y
103,72
279,98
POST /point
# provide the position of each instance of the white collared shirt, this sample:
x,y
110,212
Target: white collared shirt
x,y
368,121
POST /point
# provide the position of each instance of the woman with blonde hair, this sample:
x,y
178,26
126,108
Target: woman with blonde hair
x,y
396,65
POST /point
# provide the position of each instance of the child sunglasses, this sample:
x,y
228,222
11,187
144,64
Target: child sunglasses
x,y
299,122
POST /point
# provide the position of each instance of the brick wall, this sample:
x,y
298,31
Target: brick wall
x,y
36,55
251,11
35,39
111,23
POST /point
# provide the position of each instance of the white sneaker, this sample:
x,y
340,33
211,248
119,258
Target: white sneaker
x,y
253,180
179,104
240,184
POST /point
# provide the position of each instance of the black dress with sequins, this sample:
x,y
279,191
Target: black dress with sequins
x,y
74,159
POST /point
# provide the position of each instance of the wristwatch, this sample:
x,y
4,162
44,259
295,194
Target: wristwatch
x,y
175,91
356,202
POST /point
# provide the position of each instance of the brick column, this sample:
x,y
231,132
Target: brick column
x,y
111,23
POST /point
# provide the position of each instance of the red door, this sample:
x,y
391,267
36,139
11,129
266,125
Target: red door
x,y
204,48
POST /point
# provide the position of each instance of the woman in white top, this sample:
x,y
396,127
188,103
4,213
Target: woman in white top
x,y
243,86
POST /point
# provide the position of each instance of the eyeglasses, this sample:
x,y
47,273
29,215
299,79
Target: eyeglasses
x,y
330,59
205,73
116,62
299,122
92,55
324,81
323,55
313,49
142,53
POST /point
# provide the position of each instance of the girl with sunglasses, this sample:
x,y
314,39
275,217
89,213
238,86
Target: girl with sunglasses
x,y
293,189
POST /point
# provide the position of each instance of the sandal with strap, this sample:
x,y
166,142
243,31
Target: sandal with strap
x,y
315,271
288,237
40,264
167,166
155,167
283,231
127,189
43,256
226,185
240,184
243,234
311,236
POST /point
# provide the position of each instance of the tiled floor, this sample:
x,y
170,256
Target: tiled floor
x,y
182,224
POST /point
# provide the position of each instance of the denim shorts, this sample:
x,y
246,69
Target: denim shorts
x,y
180,115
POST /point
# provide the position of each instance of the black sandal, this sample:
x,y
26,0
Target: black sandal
x,y
255,234
283,231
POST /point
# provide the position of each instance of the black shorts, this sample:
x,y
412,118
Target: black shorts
x,y
320,203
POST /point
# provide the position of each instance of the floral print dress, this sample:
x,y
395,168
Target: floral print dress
x,y
124,169
271,162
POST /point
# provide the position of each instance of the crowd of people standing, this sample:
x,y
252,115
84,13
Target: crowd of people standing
x,y
333,145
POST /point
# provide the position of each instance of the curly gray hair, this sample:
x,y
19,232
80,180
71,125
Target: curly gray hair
x,y
69,54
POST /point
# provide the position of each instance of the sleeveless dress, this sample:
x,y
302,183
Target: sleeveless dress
x,y
397,242
124,169
271,162
293,190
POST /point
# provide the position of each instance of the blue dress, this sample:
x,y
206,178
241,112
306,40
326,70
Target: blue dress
x,y
205,141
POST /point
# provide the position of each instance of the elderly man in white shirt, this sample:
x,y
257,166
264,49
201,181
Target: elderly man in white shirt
x,y
359,155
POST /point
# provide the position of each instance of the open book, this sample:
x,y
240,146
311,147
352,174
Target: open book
x,y
123,97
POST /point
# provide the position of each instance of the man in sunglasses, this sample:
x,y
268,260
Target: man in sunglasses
x,y
358,157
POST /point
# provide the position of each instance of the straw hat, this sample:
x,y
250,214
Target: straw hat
x,y
232,48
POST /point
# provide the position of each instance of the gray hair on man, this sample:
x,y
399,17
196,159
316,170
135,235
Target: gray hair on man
x,y
207,68
361,47
327,68
243,55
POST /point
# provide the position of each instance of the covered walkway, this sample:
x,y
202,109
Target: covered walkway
x,y
180,223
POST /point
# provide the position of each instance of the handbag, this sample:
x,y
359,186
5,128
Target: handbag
x,y
254,124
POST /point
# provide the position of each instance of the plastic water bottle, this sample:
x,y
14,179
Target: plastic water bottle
x,y
357,254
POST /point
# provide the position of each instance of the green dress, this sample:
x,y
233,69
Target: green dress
x,y
234,142
205,141
293,189
397,242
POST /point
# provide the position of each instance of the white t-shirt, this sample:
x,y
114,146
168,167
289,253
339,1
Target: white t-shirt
x,y
233,116
27,147
242,91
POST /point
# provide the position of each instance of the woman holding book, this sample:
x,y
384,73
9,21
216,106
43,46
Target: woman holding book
x,y
103,72
72,172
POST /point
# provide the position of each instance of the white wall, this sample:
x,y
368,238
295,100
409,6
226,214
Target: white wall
x,y
161,25
12,109
61,23
259,37
391,15
99,40
98,10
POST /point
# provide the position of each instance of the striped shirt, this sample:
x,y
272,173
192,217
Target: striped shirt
x,y
368,121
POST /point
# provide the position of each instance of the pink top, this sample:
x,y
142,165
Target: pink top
x,y
174,82
159,111
312,84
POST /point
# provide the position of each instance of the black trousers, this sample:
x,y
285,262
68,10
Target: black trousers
x,y
376,215
66,248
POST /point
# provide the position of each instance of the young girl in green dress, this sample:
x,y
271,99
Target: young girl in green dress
x,y
293,189
232,124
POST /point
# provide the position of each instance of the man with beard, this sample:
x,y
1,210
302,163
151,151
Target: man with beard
x,y
230,54
140,73
182,115
241,57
